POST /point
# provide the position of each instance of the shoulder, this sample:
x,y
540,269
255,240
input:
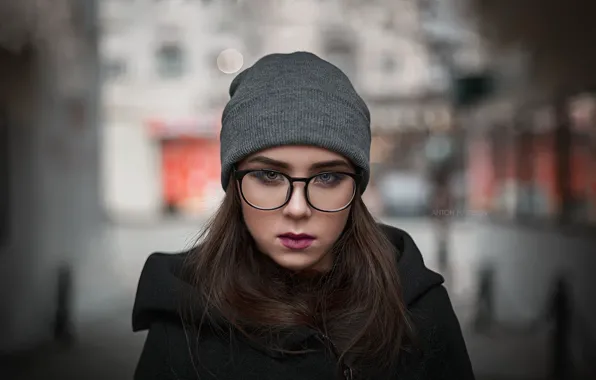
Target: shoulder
x,y
441,351
160,290
167,352
434,315
416,278
398,237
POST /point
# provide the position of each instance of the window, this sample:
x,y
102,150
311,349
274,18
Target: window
x,y
339,49
438,76
430,9
481,174
114,69
505,184
522,167
340,52
542,167
545,202
170,61
226,24
343,59
582,179
500,166
388,63
113,26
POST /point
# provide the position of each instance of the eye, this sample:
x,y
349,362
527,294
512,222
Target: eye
x,y
267,176
329,178
272,175
326,177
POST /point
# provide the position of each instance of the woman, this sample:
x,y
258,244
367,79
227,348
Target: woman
x,y
293,278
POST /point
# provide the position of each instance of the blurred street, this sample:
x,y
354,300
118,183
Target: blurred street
x,y
107,349
483,113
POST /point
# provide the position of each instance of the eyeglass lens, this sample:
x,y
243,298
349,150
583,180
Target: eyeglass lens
x,y
327,191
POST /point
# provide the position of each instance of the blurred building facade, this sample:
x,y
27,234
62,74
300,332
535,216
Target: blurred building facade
x,y
532,166
49,159
166,82
162,96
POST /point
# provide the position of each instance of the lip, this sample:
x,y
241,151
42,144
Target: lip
x,y
291,235
296,241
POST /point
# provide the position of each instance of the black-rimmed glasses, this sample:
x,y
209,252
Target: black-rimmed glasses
x,y
271,189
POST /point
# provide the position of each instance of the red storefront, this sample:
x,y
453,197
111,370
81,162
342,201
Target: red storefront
x,y
190,168
517,167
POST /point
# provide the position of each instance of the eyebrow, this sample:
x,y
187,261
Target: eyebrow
x,y
330,164
284,165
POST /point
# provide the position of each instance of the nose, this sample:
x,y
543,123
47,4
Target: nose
x,y
297,206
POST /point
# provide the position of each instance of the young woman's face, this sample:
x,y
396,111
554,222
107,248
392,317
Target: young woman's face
x,y
296,236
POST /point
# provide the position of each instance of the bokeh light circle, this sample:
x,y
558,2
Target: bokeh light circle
x,y
230,61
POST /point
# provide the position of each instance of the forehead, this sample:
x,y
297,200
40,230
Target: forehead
x,y
299,155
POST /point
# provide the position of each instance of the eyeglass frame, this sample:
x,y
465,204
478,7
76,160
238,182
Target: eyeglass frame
x,y
240,174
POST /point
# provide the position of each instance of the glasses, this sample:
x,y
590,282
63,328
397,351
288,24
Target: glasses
x,y
271,190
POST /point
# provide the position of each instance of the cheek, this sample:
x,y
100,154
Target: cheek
x,y
248,215
258,222
332,225
327,226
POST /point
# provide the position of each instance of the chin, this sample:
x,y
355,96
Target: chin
x,y
296,261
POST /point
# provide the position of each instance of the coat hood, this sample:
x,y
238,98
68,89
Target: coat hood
x,y
162,289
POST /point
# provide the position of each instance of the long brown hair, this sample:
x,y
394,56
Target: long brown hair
x,y
358,304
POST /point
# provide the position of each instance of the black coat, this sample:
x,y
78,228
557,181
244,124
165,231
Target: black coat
x,y
170,352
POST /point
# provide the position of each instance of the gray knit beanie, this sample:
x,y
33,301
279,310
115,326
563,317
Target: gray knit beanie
x,y
294,99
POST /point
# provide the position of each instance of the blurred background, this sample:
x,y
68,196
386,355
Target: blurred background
x,y
484,150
